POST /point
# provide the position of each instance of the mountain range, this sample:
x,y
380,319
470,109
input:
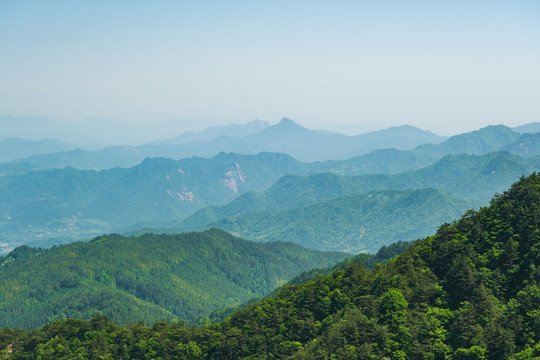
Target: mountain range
x,y
61,205
386,151
359,213
285,137
72,204
16,148
57,206
475,178
470,291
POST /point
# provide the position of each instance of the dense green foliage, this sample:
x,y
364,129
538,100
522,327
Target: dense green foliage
x,y
385,253
469,292
369,261
355,223
150,277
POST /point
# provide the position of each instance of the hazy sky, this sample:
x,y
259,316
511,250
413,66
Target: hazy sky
x,y
446,66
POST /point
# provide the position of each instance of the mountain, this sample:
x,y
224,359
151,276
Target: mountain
x,y
12,169
475,178
145,278
403,137
81,159
55,206
233,130
391,161
72,204
483,141
531,128
355,223
471,291
527,145
15,148
303,144
285,137
383,161
295,140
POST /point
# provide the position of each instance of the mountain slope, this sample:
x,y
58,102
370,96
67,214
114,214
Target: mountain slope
x,y
531,128
527,145
353,223
404,137
233,130
486,140
72,203
475,178
150,277
15,148
471,291
301,143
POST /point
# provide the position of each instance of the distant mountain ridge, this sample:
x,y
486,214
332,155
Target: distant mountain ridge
x,y
530,128
293,139
488,139
233,130
249,138
285,137
15,148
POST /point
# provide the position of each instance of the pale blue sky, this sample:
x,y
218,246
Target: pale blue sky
x,y
449,66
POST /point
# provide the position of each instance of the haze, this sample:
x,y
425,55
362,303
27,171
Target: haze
x,y
344,65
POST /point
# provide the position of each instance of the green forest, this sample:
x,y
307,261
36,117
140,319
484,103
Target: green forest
x,y
146,278
471,291
354,223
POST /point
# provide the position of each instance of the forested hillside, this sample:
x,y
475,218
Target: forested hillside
x,y
146,278
354,223
471,291
474,178
72,204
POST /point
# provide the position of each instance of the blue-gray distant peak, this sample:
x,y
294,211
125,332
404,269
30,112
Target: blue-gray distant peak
x,y
285,128
287,123
531,128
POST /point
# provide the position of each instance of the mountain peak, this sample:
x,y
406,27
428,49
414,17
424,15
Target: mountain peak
x,y
286,122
